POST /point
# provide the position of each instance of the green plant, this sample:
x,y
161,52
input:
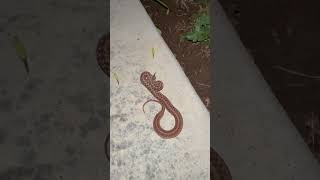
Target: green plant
x,y
200,30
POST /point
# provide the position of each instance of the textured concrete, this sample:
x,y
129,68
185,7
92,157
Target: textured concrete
x,y
249,128
137,152
53,122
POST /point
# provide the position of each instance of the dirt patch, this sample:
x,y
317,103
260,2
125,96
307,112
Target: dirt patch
x,y
194,58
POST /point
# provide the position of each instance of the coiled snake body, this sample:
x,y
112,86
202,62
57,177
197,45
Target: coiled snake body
x,y
219,169
149,81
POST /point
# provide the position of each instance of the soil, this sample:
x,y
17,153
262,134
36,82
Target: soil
x,y
194,58
283,37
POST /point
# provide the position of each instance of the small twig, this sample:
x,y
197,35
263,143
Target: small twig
x,y
201,84
164,5
297,73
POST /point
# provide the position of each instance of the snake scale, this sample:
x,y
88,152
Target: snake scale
x,y
218,168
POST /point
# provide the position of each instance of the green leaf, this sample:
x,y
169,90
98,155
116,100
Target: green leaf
x,y
201,29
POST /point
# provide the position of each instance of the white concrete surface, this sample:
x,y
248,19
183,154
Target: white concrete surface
x,y
137,152
249,128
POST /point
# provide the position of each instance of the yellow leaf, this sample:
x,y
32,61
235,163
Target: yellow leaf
x,y
115,76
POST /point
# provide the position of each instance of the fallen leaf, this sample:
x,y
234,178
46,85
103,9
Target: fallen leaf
x,y
115,76
153,52
20,50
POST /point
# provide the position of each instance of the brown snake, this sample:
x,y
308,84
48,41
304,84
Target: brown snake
x,y
219,169
149,81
